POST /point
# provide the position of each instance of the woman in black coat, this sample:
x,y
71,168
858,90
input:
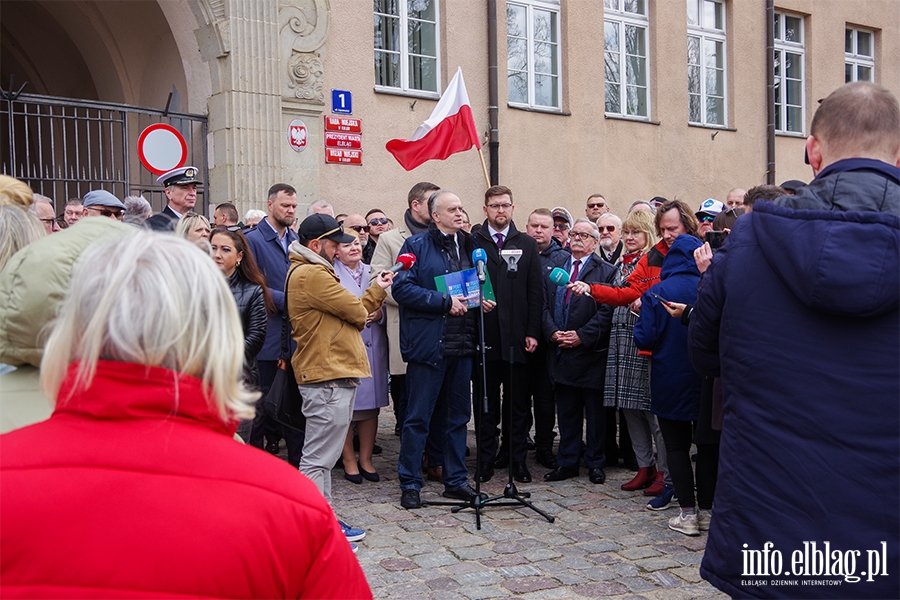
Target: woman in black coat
x,y
231,253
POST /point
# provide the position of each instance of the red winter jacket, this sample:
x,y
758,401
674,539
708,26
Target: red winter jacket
x,y
644,276
130,490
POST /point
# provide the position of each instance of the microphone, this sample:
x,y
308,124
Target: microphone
x,y
404,263
559,276
479,256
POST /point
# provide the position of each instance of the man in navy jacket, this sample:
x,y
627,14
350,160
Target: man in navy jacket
x,y
798,314
269,243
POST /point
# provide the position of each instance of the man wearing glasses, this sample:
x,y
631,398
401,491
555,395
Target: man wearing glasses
x,y
378,223
42,208
100,203
511,334
706,215
610,246
562,222
596,206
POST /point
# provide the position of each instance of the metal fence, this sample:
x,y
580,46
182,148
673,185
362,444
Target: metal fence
x,y
63,148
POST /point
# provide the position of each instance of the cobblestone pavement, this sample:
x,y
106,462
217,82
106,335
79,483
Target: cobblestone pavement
x,y
603,544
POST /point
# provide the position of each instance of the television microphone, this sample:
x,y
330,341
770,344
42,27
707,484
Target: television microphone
x,y
479,256
559,276
404,263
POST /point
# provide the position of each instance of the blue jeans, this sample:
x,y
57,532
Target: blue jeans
x,y
443,388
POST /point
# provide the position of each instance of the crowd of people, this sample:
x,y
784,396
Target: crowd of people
x,y
637,339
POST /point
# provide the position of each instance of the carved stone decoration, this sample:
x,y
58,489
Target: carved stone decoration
x,y
306,77
303,31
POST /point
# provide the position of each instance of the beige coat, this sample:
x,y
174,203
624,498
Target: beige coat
x,y
386,252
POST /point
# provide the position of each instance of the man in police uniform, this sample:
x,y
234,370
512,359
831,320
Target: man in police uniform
x,y
181,193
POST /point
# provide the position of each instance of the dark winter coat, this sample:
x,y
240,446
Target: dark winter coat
x,y
583,366
799,313
553,256
428,332
519,299
850,184
674,385
252,308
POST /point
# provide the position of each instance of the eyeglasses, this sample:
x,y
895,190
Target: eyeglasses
x,y
332,232
359,228
505,206
381,221
580,235
233,228
597,205
607,228
706,219
560,226
116,213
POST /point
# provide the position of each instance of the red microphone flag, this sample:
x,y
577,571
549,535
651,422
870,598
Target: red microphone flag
x,y
449,129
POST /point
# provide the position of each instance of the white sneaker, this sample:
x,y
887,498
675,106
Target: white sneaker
x,y
703,518
685,523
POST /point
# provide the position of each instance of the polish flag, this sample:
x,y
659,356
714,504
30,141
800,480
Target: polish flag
x,y
449,129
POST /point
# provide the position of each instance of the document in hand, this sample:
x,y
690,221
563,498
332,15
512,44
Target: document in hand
x,y
464,285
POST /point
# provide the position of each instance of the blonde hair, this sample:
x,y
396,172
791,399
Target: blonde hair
x,y
187,222
15,193
18,228
645,221
188,322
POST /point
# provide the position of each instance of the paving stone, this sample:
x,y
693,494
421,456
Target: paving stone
x,y
638,584
435,559
599,574
667,580
473,553
477,593
655,564
541,554
413,589
639,552
689,574
692,558
518,571
505,561
479,578
530,584
626,569
398,564
443,583
601,590
599,546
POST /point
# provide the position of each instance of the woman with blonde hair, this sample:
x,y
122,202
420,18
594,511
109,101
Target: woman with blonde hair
x,y
18,228
194,227
137,467
627,372
14,192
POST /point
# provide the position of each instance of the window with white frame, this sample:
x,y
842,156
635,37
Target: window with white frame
x,y
706,62
533,54
859,55
406,45
789,80
625,44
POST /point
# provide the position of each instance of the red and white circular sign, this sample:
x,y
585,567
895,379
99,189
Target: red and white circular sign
x,y
162,148
298,135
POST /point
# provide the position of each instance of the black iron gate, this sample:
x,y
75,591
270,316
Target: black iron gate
x,y
63,148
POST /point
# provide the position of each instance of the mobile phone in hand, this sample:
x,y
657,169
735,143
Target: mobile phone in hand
x,y
660,298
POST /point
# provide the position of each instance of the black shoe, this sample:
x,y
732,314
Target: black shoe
x,y
272,447
545,458
376,449
397,429
597,475
502,460
368,475
410,499
487,472
560,473
464,492
353,478
529,443
520,472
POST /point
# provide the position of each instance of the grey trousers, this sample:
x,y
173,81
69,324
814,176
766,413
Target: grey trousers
x,y
644,430
328,411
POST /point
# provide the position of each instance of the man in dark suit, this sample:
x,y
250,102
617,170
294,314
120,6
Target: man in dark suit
x,y
269,243
512,330
578,331
181,194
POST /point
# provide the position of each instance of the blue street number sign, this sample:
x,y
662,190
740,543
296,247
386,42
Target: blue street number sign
x,y
341,102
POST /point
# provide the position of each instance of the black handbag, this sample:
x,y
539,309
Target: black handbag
x,y
283,402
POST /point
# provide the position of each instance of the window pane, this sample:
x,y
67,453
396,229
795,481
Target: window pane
x,y
848,41
694,109
715,111
517,87
611,36
387,69
387,33
544,26
848,73
864,73
612,98
777,33
611,4
420,9
778,56
715,82
778,119
517,51
611,67
636,71
792,29
794,92
634,40
422,38
864,43
423,73
712,15
636,100
545,58
545,90
694,80
693,13
714,55
516,20
793,65
693,51
635,6
794,119
389,7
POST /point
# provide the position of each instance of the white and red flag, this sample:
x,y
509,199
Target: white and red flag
x,y
449,129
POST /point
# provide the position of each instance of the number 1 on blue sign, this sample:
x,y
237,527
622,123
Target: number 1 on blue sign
x,y
341,102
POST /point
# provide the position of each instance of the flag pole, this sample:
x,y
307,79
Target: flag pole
x,y
487,182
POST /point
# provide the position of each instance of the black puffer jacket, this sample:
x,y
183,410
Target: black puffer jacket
x,y
252,308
